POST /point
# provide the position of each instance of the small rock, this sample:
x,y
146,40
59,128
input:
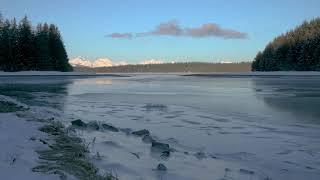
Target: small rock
x,y
200,155
136,155
147,139
110,128
160,146
165,154
227,169
245,171
213,156
161,167
309,167
93,125
78,123
142,132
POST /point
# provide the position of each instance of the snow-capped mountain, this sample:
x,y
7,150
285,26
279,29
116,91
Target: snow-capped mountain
x,y
80,61
152,61
106,62
101,62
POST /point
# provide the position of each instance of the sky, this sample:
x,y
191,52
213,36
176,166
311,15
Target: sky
x,y
169,30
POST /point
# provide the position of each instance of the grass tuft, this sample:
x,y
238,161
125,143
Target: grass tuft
x,y
67,155
7,107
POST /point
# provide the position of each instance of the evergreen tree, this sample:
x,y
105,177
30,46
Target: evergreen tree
x,y
296,50
23,48
4,39
42,49
26,50
57,50
2,57
13,39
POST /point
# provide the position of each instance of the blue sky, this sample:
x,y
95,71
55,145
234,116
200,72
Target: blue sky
x,y
85,26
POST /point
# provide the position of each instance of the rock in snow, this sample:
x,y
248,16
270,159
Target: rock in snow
x,y
142,132
110,128
93,125
161,167
79,123
160,146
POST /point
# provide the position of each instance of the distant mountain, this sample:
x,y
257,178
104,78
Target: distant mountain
x,y
80,61
101,62
106,62
152,61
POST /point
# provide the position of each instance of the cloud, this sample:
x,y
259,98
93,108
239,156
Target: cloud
x,y
120,35
211,29
173,28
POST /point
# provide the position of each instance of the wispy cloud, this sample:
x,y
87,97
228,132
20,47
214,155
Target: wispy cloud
x,y
173,28
120,35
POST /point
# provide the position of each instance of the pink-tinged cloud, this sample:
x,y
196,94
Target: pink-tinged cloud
x,y
120,35
172,28
211,29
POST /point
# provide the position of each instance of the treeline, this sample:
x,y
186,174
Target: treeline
x,y
172,67
297,50
24,47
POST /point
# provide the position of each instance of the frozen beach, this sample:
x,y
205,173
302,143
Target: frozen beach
x,y
216,127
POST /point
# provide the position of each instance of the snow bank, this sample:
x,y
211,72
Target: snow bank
x,y
18,139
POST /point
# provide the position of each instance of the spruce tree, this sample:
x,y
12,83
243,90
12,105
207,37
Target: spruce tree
x,y
23,48
57,50
5,47
2,58
42,55
26,48
296,50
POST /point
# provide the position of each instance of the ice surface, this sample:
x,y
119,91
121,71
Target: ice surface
x,y
217,128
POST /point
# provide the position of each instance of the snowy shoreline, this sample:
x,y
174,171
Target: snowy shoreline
x,y
124,74
37,147
57,73
255,73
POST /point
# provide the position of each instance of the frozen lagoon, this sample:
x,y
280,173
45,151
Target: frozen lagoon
x,y
237,127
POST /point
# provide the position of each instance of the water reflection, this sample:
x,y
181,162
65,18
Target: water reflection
x,y
37,93
98,81
297,95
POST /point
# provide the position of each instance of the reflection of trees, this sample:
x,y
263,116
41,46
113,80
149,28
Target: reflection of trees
x,y
37,94
297,95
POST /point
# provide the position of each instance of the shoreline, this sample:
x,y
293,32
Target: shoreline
x,y
50,149
125,74
256,74
57,73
